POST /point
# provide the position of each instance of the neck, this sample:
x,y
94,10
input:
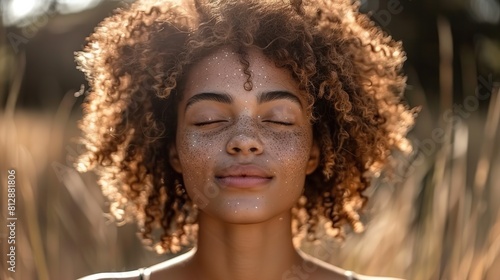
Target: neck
x,y
245,252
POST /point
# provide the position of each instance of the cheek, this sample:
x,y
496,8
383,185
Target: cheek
x,y
291,150
199,153
195,156
291,145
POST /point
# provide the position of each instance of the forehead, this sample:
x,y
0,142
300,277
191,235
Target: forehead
x,y
222,71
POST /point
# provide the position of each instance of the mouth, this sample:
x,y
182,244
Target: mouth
x,y
243,176
242,182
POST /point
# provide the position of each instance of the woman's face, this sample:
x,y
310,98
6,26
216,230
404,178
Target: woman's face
x,y
244,155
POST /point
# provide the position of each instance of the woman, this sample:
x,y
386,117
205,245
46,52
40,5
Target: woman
x,y
234,126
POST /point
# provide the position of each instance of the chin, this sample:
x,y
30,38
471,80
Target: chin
x,y
250,207
247,217
246,212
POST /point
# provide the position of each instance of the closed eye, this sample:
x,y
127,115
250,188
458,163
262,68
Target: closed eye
x,y
279,122
209,122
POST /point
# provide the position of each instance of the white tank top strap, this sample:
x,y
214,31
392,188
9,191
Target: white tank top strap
x,y
144,273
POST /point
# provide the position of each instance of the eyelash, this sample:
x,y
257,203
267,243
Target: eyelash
x,y
280,123
208,122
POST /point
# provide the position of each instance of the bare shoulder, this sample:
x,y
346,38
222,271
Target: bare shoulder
x,y
173,267
329,273
127,275
364,277
320,270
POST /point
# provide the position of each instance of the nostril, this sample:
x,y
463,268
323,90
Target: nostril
x,y
244,144
249,150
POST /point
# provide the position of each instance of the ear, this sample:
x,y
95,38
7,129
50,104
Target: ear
x,y
313,161
173,158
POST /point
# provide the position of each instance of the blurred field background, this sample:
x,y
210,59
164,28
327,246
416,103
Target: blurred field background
x,y
438,218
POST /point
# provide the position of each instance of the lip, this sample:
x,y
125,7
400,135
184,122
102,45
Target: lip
x,y
243,176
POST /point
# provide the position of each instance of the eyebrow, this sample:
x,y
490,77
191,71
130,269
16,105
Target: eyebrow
x,y
227,99
279,94
209,96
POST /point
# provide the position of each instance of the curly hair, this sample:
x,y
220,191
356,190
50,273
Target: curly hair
x,y
136,61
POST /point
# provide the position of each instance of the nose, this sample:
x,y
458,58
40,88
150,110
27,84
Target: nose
x,y
245,144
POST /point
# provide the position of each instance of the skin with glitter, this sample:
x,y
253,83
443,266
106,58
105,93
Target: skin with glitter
x,y
274,135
